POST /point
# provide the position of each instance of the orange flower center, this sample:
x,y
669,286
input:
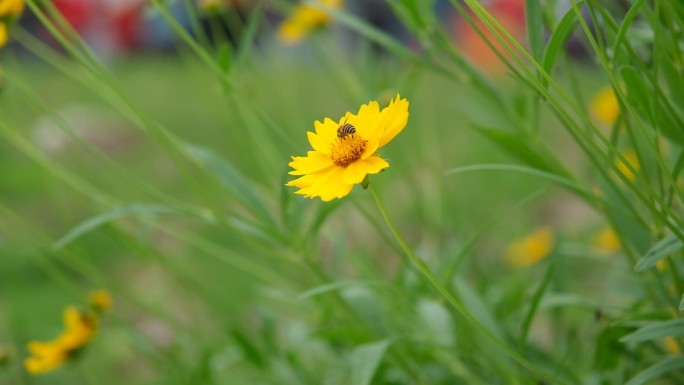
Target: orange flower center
x,y
347,150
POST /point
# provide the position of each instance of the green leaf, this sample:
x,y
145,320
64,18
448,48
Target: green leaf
x,y
328,287
534,304
365,360
534,18
638,91
664,366
557,41
249,36
119,212
223,58
479,309
679,166
240,187
250,350
626,23
609,350
522,148
674,82
673,328
662,249
624,217
553,178
368,306
482,312
681,304
224,62
438,322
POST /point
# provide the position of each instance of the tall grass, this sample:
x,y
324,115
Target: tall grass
x,y
161,179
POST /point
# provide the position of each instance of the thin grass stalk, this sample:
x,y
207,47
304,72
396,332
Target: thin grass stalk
x,y
451,299
486,18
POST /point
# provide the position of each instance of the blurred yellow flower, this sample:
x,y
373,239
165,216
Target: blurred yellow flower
x,y
3,34
346,151
605,107
532,249
100,300
79,328
304,19
630,158
607,241
661,265
671,346
11,8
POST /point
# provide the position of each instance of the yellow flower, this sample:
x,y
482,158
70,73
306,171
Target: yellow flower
x,y
671,346
79,329
3,34
631,158
661,265
607,241
11,8
100,300
304,19
346,151
531,249
605,107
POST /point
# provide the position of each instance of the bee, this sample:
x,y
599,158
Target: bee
x,y
344,130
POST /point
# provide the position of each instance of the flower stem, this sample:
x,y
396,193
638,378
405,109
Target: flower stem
x,y
453,301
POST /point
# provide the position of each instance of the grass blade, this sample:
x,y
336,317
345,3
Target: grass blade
x,y
240,187
95,222
365,361
557,42
673,328
662,249
534,305
522,148
534,17
626,23
665,366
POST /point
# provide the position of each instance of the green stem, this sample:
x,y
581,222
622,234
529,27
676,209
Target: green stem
x,y
453,301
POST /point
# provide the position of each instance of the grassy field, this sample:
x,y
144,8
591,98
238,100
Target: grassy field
x,y
162,181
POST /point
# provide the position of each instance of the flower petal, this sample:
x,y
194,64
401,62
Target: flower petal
x,y
43,348
305,181
3,34
355,172
314,161
366,120
327,129
325,135
44,364
371,148
330,185
291,32
394,119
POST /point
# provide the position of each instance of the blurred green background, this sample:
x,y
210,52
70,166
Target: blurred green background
x,y
222,275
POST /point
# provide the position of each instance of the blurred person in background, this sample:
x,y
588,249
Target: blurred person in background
x,y
114,27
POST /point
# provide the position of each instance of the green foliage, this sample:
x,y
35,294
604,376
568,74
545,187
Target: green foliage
x,y
222,275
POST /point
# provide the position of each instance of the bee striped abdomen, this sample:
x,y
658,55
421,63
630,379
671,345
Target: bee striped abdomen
x,y
345,129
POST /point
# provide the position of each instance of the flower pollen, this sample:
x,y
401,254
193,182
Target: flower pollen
x,y
347,150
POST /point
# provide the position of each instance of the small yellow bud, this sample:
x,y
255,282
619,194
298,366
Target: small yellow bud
x,y
100,300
